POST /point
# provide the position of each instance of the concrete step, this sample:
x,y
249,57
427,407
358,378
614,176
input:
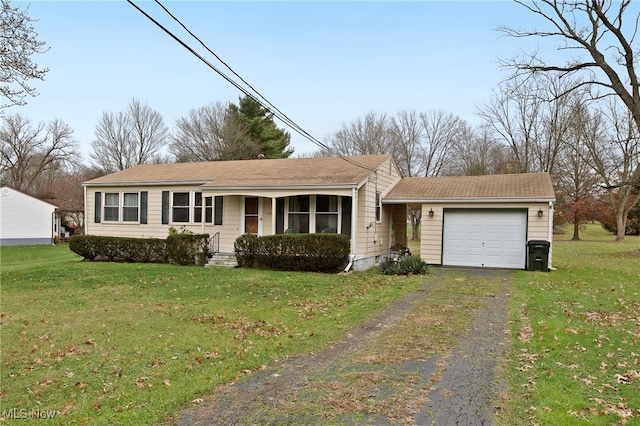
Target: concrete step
x,y
222,260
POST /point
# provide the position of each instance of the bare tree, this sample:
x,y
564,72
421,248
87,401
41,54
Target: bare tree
x,y
441,131
576,181
365,135
29,154
476,153
601,36
513,114
18,43
531,116
128,138
615,156
211,133
407,133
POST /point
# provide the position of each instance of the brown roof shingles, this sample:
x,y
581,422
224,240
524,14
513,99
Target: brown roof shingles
x,y
321,171
512,186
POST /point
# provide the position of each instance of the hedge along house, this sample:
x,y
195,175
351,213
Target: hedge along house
x,y
479,221
226,199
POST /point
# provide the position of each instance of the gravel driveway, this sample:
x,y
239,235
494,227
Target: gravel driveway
x,y
342,386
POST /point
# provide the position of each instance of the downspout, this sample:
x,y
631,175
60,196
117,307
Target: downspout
x,y
354,228
550,233
85,217
53,226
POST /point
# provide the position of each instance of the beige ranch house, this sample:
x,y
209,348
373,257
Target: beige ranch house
x,y
480,221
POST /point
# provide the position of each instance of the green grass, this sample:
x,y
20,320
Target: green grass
x,y
119,343
575,357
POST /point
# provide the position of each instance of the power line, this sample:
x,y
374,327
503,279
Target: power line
x,y
273,110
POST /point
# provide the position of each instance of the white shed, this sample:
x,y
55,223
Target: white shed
x,y
25,219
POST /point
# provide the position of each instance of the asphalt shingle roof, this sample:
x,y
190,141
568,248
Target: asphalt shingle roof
x,y
321,171
511,186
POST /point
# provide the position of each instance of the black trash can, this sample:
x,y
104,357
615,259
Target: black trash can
x,y
538,255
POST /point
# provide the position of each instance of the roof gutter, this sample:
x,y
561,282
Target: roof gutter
x,y
464,200
167,183
276,187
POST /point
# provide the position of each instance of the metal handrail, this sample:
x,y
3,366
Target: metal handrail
x,y
214,243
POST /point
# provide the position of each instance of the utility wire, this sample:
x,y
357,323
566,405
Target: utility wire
x,y
277,113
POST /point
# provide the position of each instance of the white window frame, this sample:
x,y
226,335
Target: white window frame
x,y
111,206
335,213
137,207
189,207
120,207
313,212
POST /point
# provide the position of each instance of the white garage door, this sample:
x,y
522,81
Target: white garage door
x,y
484,238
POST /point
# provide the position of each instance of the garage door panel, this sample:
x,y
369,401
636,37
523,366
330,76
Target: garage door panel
x,y
485,238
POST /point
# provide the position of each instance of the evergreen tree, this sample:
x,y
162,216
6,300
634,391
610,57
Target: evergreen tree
x,y
274,142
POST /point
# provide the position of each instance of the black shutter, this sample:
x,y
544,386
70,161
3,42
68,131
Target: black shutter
x,y
217,220
144,195
97,208
165,207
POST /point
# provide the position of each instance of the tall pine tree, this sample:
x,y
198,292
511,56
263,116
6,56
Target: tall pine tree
x,y
274,142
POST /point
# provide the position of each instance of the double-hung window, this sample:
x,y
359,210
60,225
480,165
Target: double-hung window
x,y
198,208
130,207
299,213
180,207
327,213
121,207
111,206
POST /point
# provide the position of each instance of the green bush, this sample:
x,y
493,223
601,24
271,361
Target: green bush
x,y
404,265
245,246
143,250
294,252
84,245
182,248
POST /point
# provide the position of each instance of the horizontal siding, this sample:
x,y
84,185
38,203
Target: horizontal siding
x,y
154,227
25,217
431,227
230,229
375,240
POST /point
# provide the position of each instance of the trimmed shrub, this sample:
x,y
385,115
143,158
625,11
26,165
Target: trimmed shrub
x,y
143,250
294,252
404,265
84,245
182,248
245,246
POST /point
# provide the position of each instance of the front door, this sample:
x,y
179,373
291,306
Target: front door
x,y
251,215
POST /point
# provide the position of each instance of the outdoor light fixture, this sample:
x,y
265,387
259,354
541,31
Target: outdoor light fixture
x,y
431,213
540,213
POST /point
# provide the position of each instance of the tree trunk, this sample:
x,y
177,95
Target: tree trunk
x,y
415,223
621,221
576,227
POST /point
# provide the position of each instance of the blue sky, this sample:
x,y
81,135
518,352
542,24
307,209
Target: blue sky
x,y
321,63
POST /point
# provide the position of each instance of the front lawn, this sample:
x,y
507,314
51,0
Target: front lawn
x,y
119,343
575,357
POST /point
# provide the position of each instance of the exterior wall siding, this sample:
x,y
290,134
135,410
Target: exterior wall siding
x,y
154,228
25,219
373,237
538,228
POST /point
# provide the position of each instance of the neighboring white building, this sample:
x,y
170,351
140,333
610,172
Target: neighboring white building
x,y
25,219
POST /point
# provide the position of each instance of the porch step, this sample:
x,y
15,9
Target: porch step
x,y
222,260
